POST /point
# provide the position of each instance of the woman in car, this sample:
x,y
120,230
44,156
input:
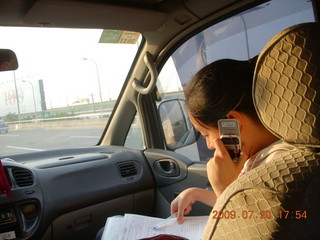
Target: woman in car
x,y
222,90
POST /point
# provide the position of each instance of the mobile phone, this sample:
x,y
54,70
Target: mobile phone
x,y
230,136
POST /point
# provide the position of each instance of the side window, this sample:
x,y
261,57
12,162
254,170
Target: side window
x,y
134,138
240,37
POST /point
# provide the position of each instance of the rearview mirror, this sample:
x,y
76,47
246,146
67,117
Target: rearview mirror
x,y
8,60
178,130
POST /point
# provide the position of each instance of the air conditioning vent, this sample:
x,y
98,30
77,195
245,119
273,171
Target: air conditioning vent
x,y
127,169
22,177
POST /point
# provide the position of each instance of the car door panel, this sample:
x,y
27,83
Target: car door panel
x,y
188,174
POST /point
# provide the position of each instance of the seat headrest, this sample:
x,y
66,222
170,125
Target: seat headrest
x,y
286,85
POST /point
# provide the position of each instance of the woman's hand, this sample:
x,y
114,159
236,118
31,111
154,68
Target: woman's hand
x,y
221,169
183,202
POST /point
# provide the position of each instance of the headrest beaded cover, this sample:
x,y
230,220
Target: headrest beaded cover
x,y
286,85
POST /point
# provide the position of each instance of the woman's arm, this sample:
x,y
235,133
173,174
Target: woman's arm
x,y
183,202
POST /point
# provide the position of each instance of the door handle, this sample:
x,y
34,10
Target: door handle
x,y
167,167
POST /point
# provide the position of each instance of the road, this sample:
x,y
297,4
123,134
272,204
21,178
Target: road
x,y
26,141
35,140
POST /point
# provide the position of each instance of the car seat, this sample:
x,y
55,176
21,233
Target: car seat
x,y
281,199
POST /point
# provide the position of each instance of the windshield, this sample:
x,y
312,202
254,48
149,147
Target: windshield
x,y
65,88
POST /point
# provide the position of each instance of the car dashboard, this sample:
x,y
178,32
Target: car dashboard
x,y
67,192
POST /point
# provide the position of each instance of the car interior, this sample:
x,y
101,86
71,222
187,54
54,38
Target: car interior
x,y
147,151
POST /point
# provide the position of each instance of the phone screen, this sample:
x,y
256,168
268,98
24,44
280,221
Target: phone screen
x,y
230,136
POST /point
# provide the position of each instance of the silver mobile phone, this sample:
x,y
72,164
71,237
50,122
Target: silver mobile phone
x,y
230,136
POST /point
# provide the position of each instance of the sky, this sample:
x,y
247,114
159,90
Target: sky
x,y
56,57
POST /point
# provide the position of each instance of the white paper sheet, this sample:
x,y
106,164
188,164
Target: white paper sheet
x,y
133,227
114,229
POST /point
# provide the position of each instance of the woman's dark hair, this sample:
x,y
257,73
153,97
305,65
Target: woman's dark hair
x,y
220,87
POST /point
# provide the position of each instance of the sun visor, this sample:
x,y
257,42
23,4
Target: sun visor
x,y
90,15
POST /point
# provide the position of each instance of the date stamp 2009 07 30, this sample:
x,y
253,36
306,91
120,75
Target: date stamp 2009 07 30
x,y
267,214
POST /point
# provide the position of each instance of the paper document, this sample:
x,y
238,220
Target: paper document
x,y
133,227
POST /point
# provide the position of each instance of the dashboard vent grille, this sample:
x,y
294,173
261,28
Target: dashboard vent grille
x,y
22,177
127,169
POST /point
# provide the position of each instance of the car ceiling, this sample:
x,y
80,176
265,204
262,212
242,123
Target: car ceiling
x,y
107,14
159,21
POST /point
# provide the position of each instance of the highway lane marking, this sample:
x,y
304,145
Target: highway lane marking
x,y
9,135
29,149
84,137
